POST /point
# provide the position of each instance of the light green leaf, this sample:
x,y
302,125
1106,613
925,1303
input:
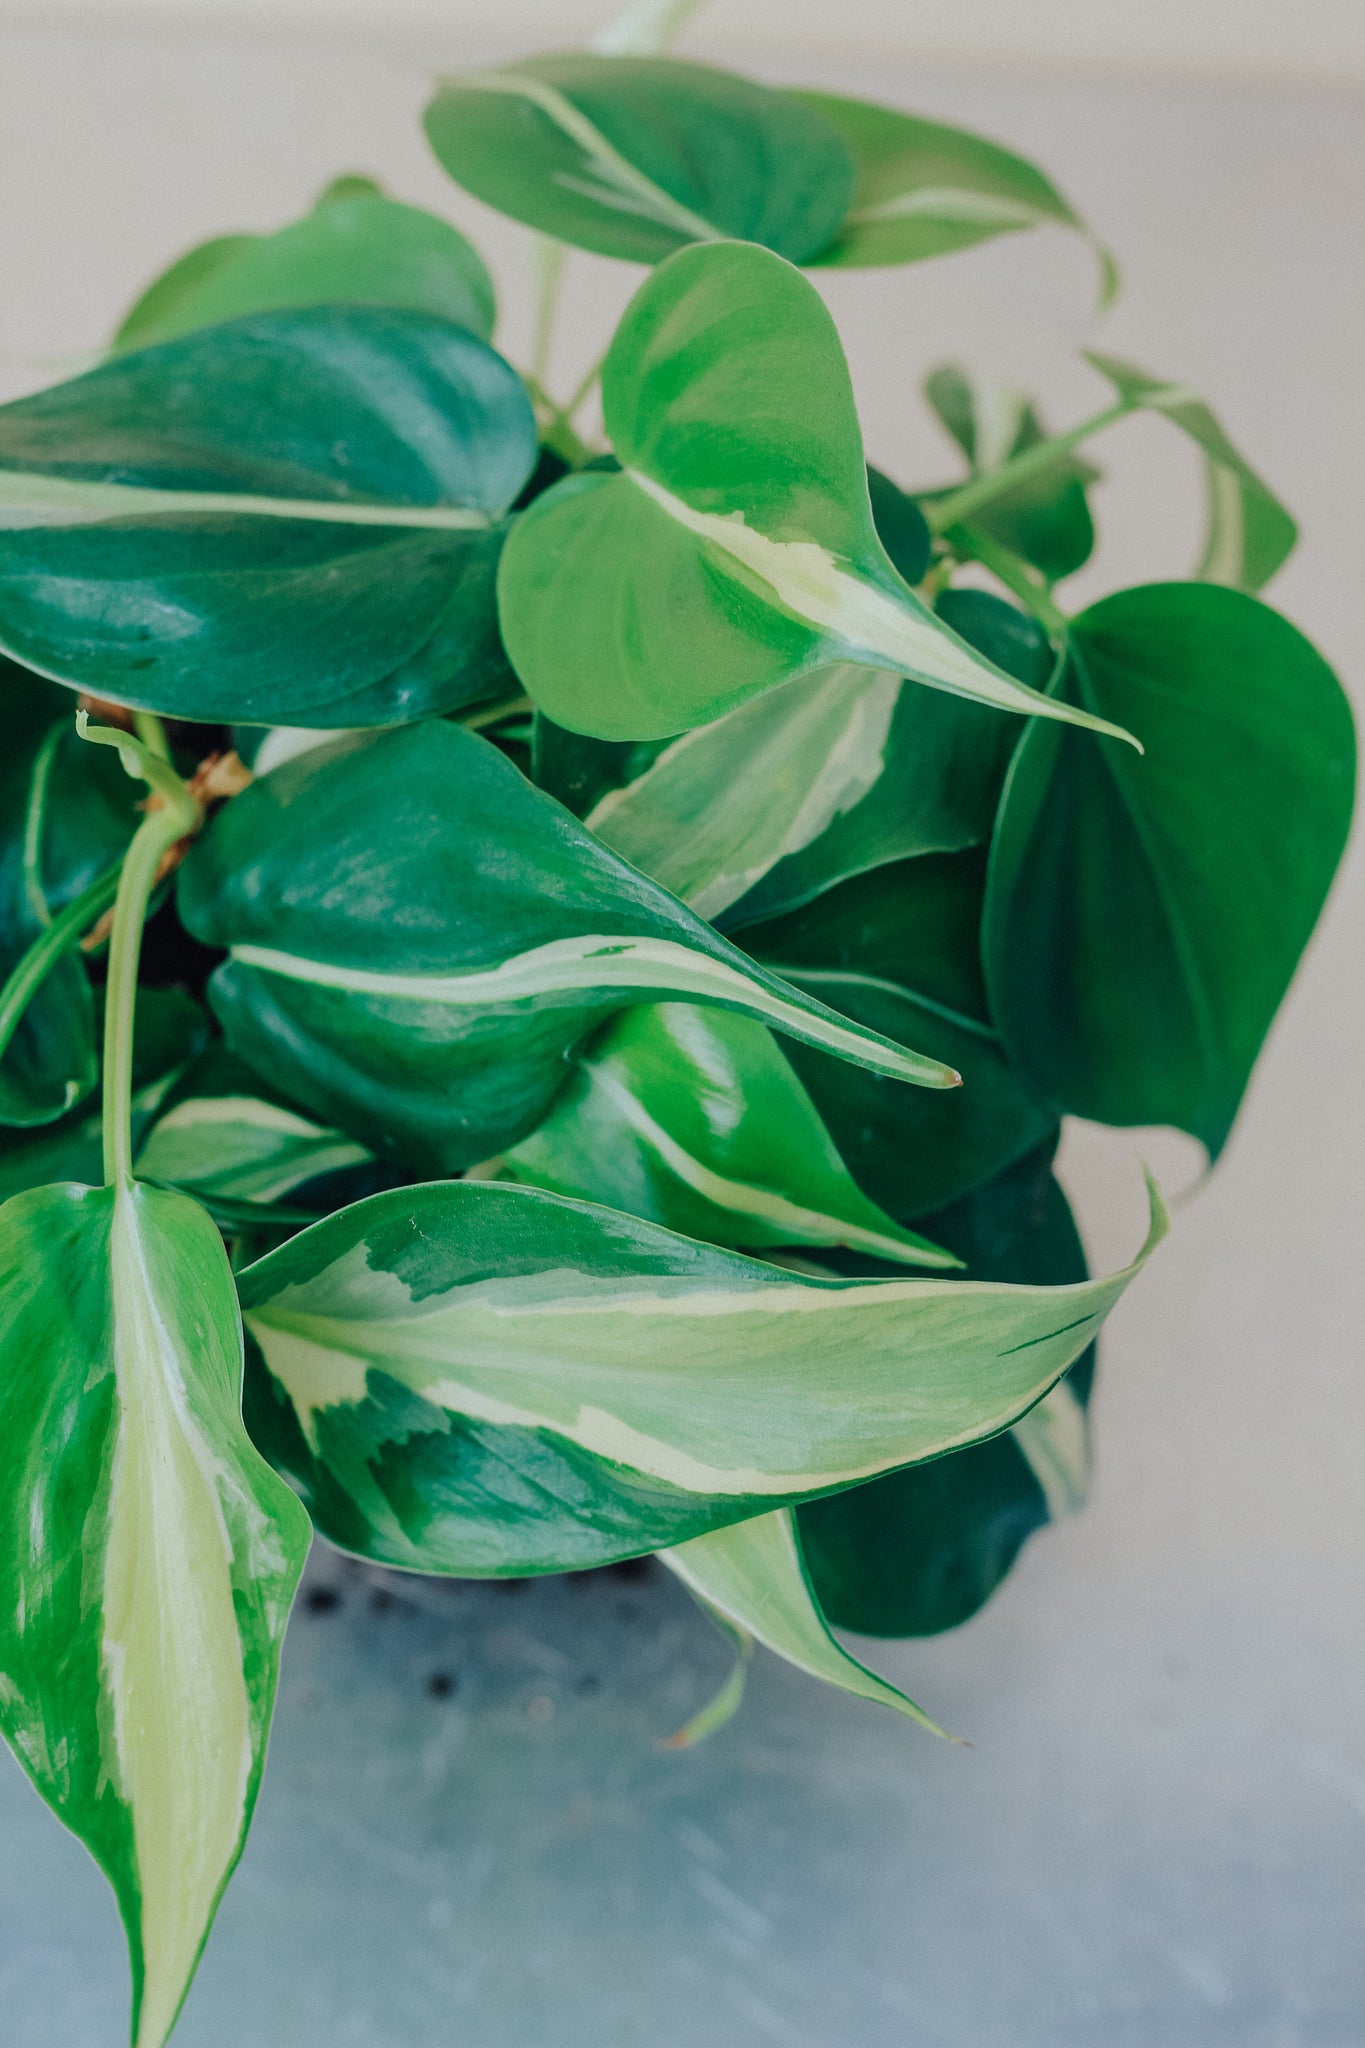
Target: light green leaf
x,y
752,1574
899,948
242,1146
922,1549
1250,534
148,1557
358,248
430,1005
943,767
67,813
693,1118
484,1379
289,519
635,156
924,189
726,802
737,548
1141,929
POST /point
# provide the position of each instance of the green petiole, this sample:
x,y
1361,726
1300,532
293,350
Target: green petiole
x,y
981,491
178,815
47,949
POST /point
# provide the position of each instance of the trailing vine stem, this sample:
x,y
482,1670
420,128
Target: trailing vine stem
x,y
177,813
981,491
47,949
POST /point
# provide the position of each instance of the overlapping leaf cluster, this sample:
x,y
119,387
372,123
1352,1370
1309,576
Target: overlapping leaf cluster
x,y
542,1072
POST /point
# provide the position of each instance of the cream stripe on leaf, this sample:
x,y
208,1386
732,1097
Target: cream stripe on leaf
x,y
484,1379
737,550
148,1557
290,518
633,155
242,1147
419,940
693,1118
752,1575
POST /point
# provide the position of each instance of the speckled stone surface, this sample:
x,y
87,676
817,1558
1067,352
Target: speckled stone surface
x,y
469,1836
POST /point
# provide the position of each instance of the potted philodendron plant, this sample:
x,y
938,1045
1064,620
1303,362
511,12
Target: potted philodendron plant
x,y
571,954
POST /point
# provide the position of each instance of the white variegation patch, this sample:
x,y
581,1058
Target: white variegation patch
x,y
181,1755
239,1145
890,632
30,498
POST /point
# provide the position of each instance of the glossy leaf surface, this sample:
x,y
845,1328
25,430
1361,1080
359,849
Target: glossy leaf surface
x,y
899,949
924,189
1141,928
921,1550
634,157
219,1133
736,547
943,767
1250,534
1045,520
356,248
67,812
147,1557
693,1118
420,940
290,519
752,1575
483,1379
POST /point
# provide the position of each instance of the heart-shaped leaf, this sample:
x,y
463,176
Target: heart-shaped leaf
x,y
1250,534
898,948
356,247
1138,935
419,941
1045,520
751,1575
924,189
693,1118
148,1557
636,156
289,519
921,1550
67,813
489,1380
736,548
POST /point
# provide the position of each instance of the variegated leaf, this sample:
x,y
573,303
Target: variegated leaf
x,y
692,1117
419,941
482,1379
752,1575
148,1557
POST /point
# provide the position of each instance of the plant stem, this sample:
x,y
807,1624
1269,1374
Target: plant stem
x,y
1009,569
549,261
48,948
489,714
177,814
152,734
997,483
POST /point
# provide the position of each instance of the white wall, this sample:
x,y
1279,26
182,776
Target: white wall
x,y
1283,39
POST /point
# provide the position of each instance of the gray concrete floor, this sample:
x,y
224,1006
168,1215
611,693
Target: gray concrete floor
x,y
1158,1840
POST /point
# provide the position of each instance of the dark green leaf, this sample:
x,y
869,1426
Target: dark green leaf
x,y
67,811
420,941
898,949
1142,924
354,248
634,157
290,519
922,1549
